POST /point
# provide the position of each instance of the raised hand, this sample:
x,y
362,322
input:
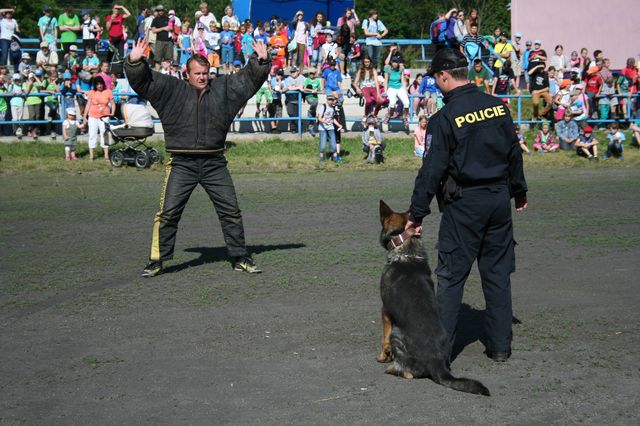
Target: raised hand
x,y
260,48
139,48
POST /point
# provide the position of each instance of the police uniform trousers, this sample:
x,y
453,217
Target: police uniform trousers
x,y
478,226
183,174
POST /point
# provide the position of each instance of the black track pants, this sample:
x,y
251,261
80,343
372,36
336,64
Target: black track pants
x,y
183,174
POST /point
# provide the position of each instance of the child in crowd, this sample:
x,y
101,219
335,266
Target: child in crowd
x,y
199,46
68,91
327,124
429,90
342,124
247,41
70,133
226,42
372,141
420,137
587,145
331,79
17,102
264,92
184,44
616,142
635,135
545,141
212,41
562,99
275,107
606,101
312,87
521,141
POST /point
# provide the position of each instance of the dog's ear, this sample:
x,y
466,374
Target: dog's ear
x,y
385,211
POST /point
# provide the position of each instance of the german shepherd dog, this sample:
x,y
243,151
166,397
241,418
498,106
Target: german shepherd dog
x,y
412,336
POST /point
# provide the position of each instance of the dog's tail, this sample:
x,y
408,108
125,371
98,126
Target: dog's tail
x,y
461,384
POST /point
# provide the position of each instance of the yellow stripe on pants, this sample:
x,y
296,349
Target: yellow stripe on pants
x,y
155,239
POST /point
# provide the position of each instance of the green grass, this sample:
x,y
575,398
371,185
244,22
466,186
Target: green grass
x,y
276,155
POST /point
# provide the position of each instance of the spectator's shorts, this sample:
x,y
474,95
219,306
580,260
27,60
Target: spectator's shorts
x,y
163,51
516,66
264,92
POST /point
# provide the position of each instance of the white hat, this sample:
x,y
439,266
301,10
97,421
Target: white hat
x,y
26,55
71,111
16,76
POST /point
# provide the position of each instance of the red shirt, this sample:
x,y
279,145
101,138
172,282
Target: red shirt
x,y
116,26
593,83
632,75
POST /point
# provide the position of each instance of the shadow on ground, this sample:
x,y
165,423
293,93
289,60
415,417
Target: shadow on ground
x,y
216,254
470,329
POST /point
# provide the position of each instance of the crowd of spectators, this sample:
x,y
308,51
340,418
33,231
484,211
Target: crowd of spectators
x,y
310,56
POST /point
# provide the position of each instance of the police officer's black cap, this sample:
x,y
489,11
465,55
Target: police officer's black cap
x,y
447,59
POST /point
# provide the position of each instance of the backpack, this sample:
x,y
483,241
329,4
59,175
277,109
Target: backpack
x,y
438,31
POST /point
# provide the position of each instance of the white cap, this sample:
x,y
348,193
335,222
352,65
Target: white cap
x,y
16,76
71,111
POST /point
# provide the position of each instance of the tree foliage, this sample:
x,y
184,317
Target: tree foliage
x,y
411,19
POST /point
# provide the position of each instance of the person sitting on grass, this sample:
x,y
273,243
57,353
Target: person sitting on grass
x,y
567,131
372,141
521,141
587,145
545,141
420,136
327,124
616,138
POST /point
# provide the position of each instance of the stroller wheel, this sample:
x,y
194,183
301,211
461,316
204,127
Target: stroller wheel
x,y
154,156
117,158
142,160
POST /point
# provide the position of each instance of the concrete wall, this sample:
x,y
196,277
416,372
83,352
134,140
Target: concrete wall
x,y
610,25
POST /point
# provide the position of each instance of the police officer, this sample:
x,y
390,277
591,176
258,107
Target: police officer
x,y
473,165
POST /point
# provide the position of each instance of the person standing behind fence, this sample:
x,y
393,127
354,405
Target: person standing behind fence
x,y
294,83
164,43
312,86
115,28
51,107
68,24
48,26
374,31
100,106
8,27
33,85
90,28
17,102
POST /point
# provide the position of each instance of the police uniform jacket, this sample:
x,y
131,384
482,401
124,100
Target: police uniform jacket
x,y
472,139
196,123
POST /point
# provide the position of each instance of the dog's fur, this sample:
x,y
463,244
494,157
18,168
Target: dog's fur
x,y
412,336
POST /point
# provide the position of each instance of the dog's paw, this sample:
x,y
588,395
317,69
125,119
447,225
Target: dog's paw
x,y
384,357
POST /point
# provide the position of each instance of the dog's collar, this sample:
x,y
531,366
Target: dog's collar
x,y
397,240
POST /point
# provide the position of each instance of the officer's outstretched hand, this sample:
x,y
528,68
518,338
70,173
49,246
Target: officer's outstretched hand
x,y
139,48
260,48
521,203
416,226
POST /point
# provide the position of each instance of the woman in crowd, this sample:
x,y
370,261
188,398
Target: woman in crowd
x,y
100,106
559,61
414,90
394,86
318,37
300,33
472,19
8,27
366,85
234,22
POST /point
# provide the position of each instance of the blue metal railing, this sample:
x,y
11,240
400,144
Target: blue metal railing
x,y
300,118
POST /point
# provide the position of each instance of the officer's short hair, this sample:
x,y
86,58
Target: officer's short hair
x,y
461,73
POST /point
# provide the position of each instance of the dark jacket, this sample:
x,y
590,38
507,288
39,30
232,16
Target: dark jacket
x,y
195,124
472,139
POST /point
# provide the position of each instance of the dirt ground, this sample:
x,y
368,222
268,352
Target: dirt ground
x,y
86,341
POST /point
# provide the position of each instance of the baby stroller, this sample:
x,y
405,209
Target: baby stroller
x,y
137,127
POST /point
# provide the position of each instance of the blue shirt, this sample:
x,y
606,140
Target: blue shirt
x,y
246,44
376,27
428,85
332,79
226,38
